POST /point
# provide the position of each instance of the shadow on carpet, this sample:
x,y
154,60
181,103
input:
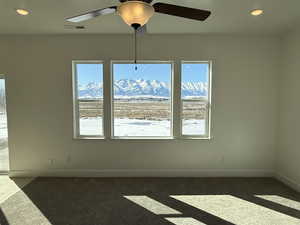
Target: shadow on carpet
x,y
152,201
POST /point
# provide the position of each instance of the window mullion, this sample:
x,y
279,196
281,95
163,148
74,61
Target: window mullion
x,y
77,116
176,103
107,99
75,103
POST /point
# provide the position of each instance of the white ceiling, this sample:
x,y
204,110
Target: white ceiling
x,y
228,16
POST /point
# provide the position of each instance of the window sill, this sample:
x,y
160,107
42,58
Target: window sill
x,y
144,138
194,138
89,138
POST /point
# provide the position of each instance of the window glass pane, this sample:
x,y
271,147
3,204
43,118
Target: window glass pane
x,y
142,100
90,98
194,96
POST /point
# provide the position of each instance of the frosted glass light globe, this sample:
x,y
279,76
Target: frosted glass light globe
x,y
135,12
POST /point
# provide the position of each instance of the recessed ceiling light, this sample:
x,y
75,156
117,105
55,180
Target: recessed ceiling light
x,y
22,12
257,12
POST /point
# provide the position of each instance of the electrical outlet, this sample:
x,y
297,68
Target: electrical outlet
x,y
222,159
68,160
51,162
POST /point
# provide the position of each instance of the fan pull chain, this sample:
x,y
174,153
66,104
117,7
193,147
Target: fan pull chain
x,y
135,49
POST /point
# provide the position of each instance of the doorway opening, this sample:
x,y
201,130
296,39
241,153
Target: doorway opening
x,y
4,160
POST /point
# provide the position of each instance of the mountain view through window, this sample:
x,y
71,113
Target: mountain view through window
x,y
90,98
142,100
195,98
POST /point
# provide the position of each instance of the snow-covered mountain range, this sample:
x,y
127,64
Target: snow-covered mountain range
x,y
142,88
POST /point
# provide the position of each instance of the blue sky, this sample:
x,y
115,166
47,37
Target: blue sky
x,y
87,73
195,72
162,72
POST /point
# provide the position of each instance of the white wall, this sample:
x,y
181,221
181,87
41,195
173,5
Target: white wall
x,y
288,157
244,116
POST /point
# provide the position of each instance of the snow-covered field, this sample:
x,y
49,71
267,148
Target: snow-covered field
x,y
125,127
134,127
90,126
3,128
193,127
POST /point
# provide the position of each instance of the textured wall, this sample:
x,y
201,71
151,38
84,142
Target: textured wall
x,y
288,157
244,116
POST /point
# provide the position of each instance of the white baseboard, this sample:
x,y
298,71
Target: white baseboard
x,y
3,172
156,173
288,181
141,173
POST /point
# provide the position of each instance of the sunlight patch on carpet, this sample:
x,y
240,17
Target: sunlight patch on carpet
x,y
152,205
184,221
236,210
9,187
281,200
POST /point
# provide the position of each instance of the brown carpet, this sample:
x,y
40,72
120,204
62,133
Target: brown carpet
x,y
152,201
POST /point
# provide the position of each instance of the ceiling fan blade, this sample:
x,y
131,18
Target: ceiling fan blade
x,y
142,30
174,10
92,14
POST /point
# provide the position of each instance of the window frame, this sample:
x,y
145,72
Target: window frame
x,y
171,62
207,135
76,119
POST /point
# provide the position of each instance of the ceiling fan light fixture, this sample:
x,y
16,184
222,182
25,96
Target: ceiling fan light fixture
x,y
135,12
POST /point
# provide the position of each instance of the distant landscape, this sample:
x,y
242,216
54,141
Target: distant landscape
x,y
143,106
143,109
143,99
140,88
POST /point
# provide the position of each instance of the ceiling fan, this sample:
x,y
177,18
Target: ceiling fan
x,y
136,13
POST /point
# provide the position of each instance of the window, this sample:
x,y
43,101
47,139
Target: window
x,y
139,100
88,98
142,99
195,98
